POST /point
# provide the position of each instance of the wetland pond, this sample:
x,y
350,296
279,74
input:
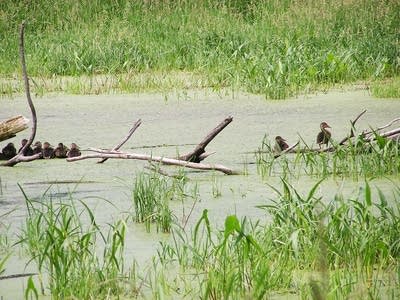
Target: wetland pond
x,y
171,125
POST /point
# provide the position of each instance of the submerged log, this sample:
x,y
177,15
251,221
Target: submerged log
x,y
11,126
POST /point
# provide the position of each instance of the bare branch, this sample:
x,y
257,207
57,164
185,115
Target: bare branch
x,y
288,150
195,155
168,161
19,157
131,131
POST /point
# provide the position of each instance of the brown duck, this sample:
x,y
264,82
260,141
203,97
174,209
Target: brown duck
x,y
324,135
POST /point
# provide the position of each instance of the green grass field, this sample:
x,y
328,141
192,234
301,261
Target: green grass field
x,y
270,47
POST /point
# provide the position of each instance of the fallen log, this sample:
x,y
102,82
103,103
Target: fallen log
x,y
167,161
10,127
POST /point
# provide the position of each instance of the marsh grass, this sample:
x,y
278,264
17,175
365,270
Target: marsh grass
x,y
311,248
151,197
387,89
64,249
359,159
275,48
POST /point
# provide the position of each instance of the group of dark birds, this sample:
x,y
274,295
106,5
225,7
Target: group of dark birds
x,y
45,150
323,138
61,151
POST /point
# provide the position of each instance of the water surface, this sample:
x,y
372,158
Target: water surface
x,y
170,125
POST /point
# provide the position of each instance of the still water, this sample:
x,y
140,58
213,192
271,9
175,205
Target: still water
x,y
171,125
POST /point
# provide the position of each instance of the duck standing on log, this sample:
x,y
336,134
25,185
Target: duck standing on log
x,y
280,144
61,151
9,151
47,151
74,151
37,147
324,135
28,151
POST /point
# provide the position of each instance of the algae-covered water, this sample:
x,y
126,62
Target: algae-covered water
x,y
171,125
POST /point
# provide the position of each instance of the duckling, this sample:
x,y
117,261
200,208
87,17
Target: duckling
x,y
61,151
47,151
74,151
28,151
37,147
9,151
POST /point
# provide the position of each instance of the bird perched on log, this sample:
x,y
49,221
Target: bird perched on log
x,y
74,151
37,147
61,151
9,151
28,151
280,144
47,151
324,135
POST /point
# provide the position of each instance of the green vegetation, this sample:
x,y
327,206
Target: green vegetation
x,y
359,159
151,196
339,249
387,89
307,246
271,47
64,250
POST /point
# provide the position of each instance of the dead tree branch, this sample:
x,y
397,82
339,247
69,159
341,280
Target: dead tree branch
x,y
11,126
19,157
167,161
131,131
353,123
197,154
288,150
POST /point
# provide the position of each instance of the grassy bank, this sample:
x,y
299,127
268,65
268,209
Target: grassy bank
x,y
276,48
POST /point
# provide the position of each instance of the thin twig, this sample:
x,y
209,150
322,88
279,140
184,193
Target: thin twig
x,y
131,131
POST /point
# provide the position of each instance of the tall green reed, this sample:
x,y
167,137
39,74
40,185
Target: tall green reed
x,y
151,196
65,250
311,247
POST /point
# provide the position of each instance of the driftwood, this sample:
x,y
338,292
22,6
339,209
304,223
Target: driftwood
x,y
190,160
131,131
167,161
20,157
198,154
11,126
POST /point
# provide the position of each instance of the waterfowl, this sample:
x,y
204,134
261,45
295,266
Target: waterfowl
x,y
47,151
280,144
9,151
324,135
28,151
37,147
60,151
74,151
